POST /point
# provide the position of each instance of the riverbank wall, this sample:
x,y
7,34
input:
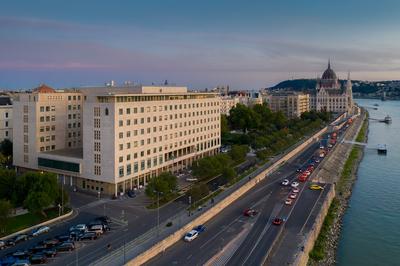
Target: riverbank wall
x,y
342,173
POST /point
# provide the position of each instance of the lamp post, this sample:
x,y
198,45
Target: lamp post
x,y
158,210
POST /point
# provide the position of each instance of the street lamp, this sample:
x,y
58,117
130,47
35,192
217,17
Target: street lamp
x,y
158,210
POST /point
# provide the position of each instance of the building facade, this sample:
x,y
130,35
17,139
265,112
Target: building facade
x,y
292,104
330,95
227,103
6,123
110,139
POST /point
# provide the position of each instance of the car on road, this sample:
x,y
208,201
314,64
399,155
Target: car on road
x,y
321,147
38,248
88,236
41,230
79,227
63,238
190,236
50,253
75,234
316,187
295,190
285,182
191,179
288,201
131,193
250,212
66,246
38,258
317,161
104,219
2,244
321,155
278,221
21,254
295,184
299,170
200,228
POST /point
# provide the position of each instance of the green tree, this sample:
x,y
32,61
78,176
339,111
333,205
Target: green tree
x,y
6,148
5,212
8,185
238,152
228,173
165,184
43,192
198,192
224,125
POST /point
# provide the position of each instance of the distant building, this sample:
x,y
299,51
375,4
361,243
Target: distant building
x,y
111,139
330,95
227,103
292,104
6,124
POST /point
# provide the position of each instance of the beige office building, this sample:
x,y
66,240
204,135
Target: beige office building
x,y
110,139
291,104
227,103
5,118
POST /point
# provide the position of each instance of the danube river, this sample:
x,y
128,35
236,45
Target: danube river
x,y
371,225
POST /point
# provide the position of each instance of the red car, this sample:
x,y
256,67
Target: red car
x,y
278,221
302,178
250,212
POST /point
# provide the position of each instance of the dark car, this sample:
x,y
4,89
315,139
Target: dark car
x,y
104,219
38,258
8,259
38,248
66,246
88,236
63,238
97,223
51,252
250,212
10,242
51,242
131,193
20,238
200,228
278,221
21,254
75,234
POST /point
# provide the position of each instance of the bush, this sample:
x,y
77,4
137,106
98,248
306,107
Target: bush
x,y
165,184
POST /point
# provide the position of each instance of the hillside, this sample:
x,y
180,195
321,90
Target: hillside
x,y
370,89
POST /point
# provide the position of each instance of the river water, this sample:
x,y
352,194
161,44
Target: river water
x,y
371,225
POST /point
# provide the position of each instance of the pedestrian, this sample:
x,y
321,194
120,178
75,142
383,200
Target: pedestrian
x,y
109,246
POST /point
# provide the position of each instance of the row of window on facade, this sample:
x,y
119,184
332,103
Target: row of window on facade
x,y
74,107
47,108
74,97
48,148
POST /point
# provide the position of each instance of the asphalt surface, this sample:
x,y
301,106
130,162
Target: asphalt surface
x,y
268,198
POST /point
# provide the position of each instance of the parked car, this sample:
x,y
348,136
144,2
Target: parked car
x,y
191,179
97,229
131,193
75,234
51,252
293,195
20,263
99,223
79,227
41,230
278,221
295,184
10,242
87,236
21,254
285,182
20,238
104,219
3,244
63,238
66,246
38,248
288,201
51,242
190,236
295,190
250,212
38,258
200,228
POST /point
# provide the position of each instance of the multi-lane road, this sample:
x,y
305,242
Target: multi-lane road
x,y
233,239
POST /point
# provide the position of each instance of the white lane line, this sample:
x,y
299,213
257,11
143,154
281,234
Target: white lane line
x,y
312,210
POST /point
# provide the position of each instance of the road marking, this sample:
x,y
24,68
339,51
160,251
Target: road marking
x,y
312,210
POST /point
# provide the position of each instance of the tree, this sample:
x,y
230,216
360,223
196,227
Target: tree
x,y
43,192
224,125
6,148
228,173
163,185
198,192
238,152
8,185
5,211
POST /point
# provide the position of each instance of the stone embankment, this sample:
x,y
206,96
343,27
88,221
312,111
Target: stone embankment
x,y
346,158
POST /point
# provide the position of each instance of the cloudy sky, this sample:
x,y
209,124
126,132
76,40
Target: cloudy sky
x,y
247,44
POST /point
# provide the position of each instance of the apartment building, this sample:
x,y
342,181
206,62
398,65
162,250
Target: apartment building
x,y
110,139
292,104
5,118
227,103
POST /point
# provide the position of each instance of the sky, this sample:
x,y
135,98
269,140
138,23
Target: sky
x,y
200,44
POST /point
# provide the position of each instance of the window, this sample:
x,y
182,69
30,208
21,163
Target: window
x,y
97,123
97,170
121,159
121,171
121,111
135,167
97,134
128,169
97,146
121,147
41,108
106,111
121,123
97,158
142,165
6,123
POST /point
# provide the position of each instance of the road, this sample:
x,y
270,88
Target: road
x,y
230,225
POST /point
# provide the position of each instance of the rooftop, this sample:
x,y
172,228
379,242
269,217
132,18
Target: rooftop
x,y
74,153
